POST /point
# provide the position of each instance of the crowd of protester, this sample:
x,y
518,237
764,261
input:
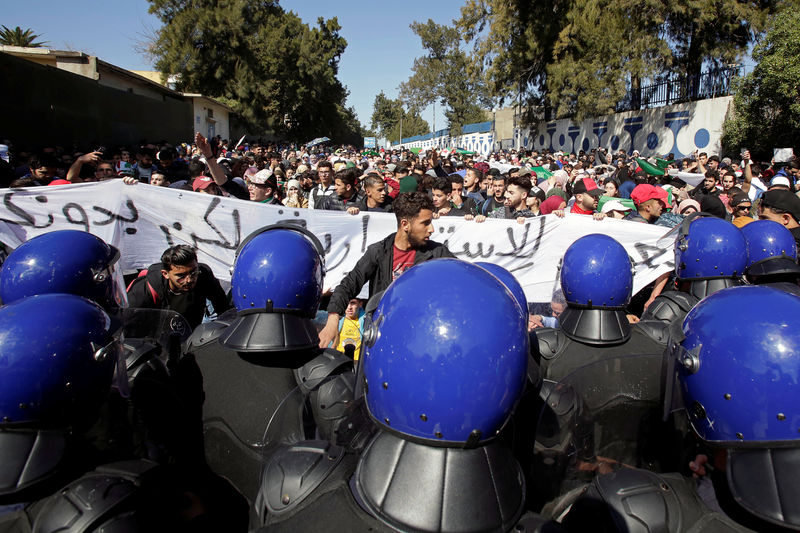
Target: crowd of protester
x,y
420,185
507,184
511,184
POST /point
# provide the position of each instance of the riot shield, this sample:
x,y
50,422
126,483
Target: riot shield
x,y
604,416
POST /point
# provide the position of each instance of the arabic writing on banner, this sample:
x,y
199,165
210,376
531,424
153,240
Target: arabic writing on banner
x,y
143,220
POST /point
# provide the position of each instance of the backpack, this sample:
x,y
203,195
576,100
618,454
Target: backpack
x,y
142,276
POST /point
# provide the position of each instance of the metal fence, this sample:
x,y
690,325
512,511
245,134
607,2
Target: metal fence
x,y
675,90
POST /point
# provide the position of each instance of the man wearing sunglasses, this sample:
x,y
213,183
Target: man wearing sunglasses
x,y
179,283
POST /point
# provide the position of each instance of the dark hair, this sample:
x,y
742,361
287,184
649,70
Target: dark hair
x,y
373,179
478,172
714,158
167,153
409,204
401,169
43,161
455,178
523,182
196,168
347,176
325,163
442,184
180,255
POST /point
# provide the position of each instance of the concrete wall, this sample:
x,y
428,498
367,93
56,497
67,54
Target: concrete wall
x,y
677,129
45,105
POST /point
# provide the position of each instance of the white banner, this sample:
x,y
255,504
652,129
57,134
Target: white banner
x,y
143,220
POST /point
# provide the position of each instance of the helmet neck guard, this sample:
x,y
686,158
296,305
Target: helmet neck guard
x,y
415,487
595,326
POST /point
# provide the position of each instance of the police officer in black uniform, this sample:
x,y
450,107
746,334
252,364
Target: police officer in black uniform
x,y
610,368
710,254
597,281
738,389
253,357
57,472
439,392
771,256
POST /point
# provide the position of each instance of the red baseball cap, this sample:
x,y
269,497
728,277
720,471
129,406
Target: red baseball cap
x,y
202,182
642,193
587,185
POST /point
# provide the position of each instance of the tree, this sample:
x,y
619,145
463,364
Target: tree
x,y
714,33
580,56
513,42
766,102
600,54
441,76
20,37
412,124
386,119
281,73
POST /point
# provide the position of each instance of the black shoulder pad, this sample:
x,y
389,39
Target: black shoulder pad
x,y
210,331
95,500
311,374
643,501
291,474
669,306
550,342
654,329
329,402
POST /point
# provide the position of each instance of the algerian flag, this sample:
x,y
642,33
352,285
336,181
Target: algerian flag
x,y
650,169
542,172
627,202
662,163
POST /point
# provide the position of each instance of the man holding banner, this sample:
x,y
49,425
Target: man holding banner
x,y
386,260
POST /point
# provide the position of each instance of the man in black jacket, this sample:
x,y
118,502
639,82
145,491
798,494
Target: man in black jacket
x,y
385,260
179,283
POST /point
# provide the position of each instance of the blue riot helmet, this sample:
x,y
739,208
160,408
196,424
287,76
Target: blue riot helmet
x,y
57,358
64,261
276,285
771,249
432,373
739,384
597,282
710,254
509,281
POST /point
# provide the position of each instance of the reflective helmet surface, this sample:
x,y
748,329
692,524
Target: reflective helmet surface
x,y
446,366
738,367
771,248
57,359
709,247
64,261
509,281
596,272
278,268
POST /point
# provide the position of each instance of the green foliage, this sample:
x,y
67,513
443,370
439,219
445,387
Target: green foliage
x,y
600,51
386,119
281,72
441,76
581,56
766,103
20,37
